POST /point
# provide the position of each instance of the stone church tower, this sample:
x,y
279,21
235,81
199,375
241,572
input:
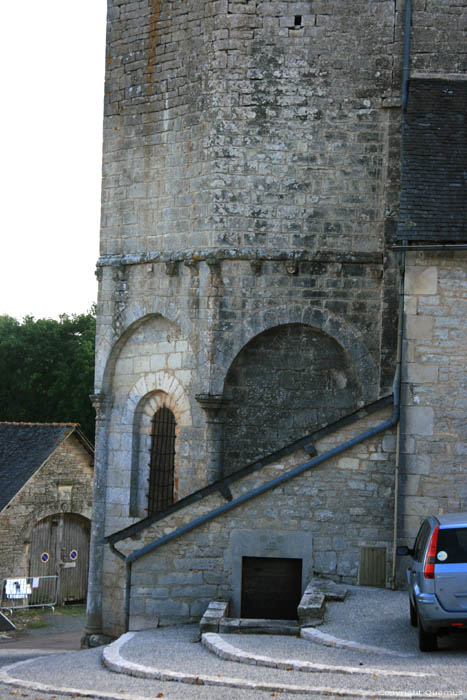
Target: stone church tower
x,y
248,296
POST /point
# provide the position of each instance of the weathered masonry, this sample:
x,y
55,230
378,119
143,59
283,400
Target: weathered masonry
x,y
46,474
249,296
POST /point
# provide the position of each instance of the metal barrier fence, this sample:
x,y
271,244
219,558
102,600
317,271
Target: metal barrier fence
x,y
29,592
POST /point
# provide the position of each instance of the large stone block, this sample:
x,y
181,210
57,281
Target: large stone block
x,y
421,373
419,420
167,608
420,506
421,281
419,328
311,607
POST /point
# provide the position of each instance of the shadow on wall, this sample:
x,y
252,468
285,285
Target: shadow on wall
x,y
285,383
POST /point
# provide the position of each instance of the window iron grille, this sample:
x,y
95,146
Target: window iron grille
x,y
162,459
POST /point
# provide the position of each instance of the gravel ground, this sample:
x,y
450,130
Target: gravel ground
x,y
373,616
45,629
164,649
370,616
84,670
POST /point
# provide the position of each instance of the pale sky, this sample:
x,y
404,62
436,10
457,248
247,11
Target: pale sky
x,y
52,78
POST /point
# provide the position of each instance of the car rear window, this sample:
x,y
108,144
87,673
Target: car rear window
x,y
420,542
452,546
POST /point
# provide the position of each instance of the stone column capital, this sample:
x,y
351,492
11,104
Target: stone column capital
x,y
212,404
101,404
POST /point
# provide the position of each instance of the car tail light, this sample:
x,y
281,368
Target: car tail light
x,y
429,568
457,624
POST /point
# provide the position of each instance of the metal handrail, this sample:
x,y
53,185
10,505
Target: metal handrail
x,y
253,493
222,485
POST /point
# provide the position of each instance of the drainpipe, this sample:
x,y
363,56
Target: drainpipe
x,y
400,335
400,340
152,546
331,453
406,57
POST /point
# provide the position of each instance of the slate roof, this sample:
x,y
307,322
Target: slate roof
x,y
24,447
434,168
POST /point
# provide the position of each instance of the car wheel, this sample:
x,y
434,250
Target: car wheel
x,y
427,641
413,614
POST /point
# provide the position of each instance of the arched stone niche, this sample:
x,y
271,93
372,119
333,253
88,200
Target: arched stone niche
x,y
284,384
348,337
168,393
157,321
153,367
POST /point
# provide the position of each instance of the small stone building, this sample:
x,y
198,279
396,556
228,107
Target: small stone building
x,y
46,482
281,237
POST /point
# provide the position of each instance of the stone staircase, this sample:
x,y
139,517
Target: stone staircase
x,y
310,612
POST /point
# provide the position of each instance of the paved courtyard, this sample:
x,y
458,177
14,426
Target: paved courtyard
x,y
365,649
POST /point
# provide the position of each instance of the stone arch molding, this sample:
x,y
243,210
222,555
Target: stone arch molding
x,y
147,395
136,314
143,397
335,327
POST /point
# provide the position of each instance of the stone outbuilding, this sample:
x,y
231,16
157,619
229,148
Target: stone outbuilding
x,y
280,385
46,481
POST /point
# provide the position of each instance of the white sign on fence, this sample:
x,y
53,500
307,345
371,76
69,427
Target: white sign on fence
x,y
17,588
28,592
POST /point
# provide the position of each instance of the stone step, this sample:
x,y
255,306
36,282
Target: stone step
x,y
230,625
226,649
172,655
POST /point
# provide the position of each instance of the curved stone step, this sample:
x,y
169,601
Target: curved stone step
x,y
124,656
328,640
224,650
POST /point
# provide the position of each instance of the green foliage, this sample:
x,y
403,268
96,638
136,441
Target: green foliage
x,y
47,370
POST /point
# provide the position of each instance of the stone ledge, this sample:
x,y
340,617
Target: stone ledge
x,y
193,256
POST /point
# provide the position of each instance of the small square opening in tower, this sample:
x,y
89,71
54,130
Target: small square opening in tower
x,y
271,588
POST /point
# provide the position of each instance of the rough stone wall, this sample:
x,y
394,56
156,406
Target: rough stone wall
x,y
245,123
177,581
258,130
62,485
438,38
434,418
155,136
247,181
250,180
283,381
433,421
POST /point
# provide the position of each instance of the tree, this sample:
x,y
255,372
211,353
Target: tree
x,y
47,370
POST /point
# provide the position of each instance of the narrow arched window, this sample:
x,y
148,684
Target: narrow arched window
x,y
161,467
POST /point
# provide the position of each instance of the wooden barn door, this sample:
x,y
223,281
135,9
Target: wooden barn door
x,y
60,546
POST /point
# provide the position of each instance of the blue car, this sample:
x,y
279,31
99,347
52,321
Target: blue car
x,y
437,578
